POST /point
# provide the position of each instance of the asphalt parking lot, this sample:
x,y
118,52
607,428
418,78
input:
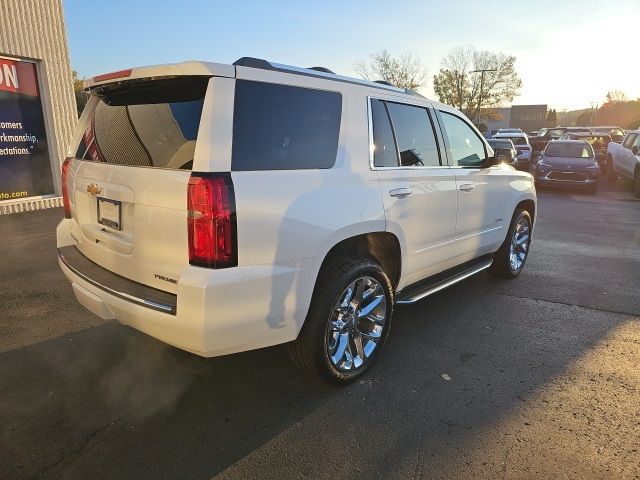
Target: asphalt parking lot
x,y
544,375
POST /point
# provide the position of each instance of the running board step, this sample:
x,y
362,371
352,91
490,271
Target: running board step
x,y
434,284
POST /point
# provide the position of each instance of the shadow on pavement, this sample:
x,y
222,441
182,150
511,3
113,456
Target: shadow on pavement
x,y
109,402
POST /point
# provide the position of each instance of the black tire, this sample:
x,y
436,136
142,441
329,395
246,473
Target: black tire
x,y
636,183
610,173
501,266
310,351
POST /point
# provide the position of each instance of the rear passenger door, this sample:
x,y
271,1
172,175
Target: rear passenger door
x,y
628,163
482,216
418,188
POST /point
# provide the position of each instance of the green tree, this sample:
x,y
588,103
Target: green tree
x,y
584,118
456,83
552,118
81,95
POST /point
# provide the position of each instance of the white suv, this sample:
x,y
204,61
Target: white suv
x,y
223,208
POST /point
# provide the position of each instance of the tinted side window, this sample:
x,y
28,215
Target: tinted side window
x,y
467,150
384,145
414,133
280,127
629,140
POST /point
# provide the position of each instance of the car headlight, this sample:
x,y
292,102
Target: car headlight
x,y
593,170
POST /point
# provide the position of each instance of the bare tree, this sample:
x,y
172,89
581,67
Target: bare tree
x,y
456,83
617,96
405,71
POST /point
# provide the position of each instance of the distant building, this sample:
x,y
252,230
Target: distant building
x,y
37,103
528,117
495,118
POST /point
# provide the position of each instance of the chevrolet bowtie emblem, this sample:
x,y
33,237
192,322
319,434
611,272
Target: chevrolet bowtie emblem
x,y
94,189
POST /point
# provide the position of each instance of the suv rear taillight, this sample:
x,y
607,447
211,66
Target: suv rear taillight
x,y
211,220
65,187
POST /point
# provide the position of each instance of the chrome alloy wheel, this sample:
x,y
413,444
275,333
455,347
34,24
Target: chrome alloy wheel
x,y
356,324
519,244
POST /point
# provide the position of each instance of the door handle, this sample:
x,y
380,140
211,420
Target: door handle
x,y
401,192
467,187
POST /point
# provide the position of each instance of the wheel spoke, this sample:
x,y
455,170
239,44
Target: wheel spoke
x,y
343,343
373,334
365,311
372,290
349,360
357,296
348,295
357,340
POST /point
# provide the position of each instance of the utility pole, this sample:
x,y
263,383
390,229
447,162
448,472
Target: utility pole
x,y
481,72
594,107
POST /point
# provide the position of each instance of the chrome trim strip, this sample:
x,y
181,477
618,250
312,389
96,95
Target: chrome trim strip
x,y
371,144
586,177
125,296
448,283
455,240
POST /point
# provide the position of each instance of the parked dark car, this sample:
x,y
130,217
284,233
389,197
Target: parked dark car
x,y
545,135
504,150
616,133
568,163
598,141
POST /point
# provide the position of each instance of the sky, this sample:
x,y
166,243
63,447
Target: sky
x,y
569,53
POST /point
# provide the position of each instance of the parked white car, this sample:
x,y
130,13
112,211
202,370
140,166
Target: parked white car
x,y
223,208
509,130
521,142
623,160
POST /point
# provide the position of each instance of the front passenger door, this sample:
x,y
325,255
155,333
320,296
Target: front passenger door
x,y
417,187
629,158
482,219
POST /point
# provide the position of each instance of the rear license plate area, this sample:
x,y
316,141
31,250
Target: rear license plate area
x,y
110,213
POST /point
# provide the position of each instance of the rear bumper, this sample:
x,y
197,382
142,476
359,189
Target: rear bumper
x,y
116,285
215,312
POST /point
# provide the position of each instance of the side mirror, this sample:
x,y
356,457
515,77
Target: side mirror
x,y
634,149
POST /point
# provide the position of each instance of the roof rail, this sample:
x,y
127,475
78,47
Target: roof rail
x,y
408,91
253,63
322,69
384,82
321,72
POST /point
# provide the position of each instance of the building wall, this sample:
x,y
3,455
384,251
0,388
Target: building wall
x,y
496,118
528,117
35,30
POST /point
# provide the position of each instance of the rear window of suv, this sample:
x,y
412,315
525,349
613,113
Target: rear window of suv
x,y
152,123
517,140
281,127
